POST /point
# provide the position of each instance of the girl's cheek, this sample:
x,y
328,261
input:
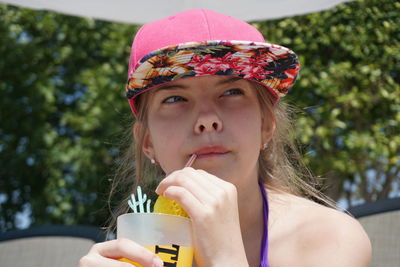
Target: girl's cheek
x,y
172,115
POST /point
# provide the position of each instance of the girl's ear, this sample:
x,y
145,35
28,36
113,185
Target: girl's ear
x,y
143,137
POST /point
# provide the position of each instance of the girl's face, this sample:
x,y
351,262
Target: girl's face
x,y
218,118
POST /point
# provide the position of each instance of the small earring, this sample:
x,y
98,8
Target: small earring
x,y
265,146
152,161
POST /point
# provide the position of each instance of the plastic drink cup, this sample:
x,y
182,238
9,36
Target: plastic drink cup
x,y
168,236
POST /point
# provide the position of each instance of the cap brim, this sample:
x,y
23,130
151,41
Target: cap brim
x,y
276,67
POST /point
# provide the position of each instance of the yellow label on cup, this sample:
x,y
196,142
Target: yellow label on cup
x,y
172,256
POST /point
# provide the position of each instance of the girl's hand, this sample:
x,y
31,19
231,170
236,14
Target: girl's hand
x,y
106,254
212,206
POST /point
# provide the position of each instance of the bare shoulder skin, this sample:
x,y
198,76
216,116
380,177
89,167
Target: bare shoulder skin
x,y
304,233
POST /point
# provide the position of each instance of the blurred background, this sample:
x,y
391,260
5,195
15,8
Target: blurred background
x,y
63,112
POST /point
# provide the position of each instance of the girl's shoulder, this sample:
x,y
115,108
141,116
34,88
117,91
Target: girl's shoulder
x,y
318,235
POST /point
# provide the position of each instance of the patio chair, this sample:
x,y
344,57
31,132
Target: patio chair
x,y
381,221
47,246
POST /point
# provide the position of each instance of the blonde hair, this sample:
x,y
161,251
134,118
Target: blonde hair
x,y
280,165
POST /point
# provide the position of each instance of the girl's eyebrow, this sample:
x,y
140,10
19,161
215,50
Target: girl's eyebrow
x,y
229,80
181,86
170,86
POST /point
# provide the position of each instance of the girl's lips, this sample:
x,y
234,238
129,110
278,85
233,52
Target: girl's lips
x,y
211,151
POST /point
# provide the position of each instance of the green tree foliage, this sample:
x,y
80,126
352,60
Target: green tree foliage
x,y
349,90
63,110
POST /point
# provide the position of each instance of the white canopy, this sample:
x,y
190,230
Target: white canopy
x,y
139,11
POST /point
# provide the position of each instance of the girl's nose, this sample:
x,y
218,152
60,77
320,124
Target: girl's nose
x,y
208,122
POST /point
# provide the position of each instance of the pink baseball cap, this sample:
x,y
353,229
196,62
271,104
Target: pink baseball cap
x,y
201,42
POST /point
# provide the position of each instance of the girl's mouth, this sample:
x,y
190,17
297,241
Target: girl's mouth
x,y
210,151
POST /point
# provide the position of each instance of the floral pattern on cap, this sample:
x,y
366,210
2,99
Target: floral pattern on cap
x,y
273,66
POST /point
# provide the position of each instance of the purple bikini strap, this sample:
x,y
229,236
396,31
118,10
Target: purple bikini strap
x,y
264,247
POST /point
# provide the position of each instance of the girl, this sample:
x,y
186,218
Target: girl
x,y
207,84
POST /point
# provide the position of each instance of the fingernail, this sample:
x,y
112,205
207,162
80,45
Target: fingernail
x,y
157,262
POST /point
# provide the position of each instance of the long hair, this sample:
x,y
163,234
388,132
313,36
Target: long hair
x,y
280,164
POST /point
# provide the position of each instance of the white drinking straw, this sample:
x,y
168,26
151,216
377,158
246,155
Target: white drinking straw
x,y
191,160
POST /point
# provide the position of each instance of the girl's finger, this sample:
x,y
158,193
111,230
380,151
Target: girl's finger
x,y
220,186
197,195
179,177
209,178
212,182
188,179
205,185
95,260
190,204
125,248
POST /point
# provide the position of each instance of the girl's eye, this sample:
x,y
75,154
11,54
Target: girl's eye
x,y
173,99
234,91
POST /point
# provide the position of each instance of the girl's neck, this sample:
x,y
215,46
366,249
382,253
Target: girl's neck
x,y
251,221
250,204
